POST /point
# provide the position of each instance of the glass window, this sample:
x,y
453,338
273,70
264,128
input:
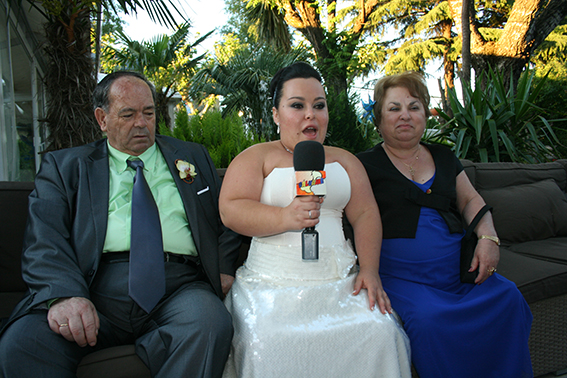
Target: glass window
x,y
22,74
22,96
9,155
40,129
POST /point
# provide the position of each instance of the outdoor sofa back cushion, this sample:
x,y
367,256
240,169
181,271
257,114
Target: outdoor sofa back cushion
x,y
499,175
528,212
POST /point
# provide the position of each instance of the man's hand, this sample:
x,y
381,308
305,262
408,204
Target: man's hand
x,y
226,282
75,319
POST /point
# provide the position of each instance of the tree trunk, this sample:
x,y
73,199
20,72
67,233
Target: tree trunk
x,y
98,37
69,79
466,42
529,23
448,69
162,110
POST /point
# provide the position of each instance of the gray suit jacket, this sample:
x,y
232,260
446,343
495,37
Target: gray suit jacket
x,y
68,213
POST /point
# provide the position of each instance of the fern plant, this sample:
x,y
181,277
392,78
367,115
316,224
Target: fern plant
x,y
494,124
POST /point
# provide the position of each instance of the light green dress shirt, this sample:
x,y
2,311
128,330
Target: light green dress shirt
x,y
175,229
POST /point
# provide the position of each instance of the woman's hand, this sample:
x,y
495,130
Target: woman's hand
x,y
487,253
372,283
302,212
486,257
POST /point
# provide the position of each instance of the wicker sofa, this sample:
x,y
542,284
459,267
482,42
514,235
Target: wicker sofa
x,y
530,214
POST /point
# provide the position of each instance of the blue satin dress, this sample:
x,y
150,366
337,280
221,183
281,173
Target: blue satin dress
x,y
455,329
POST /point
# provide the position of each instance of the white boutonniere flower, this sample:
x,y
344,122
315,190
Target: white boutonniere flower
x,y
186,170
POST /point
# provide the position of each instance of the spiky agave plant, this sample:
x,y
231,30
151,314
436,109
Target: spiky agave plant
x,y
495,124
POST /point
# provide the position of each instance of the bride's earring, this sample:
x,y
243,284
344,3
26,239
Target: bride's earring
x,y
278,129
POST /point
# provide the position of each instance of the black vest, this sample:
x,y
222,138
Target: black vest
x,y
400,200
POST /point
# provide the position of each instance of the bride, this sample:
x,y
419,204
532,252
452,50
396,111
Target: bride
x,y
292,318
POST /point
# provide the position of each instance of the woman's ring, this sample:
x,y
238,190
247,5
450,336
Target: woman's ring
x,y
491,271
309,214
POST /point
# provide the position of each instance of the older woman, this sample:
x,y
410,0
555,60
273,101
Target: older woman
x,y
456,329
294,318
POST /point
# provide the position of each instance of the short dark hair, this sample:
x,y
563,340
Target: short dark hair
x,y
100,94
301,70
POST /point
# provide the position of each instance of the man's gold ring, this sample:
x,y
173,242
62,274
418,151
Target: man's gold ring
x,y
491,271
63,325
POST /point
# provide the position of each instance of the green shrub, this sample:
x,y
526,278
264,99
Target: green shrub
x,y
495,124
345,130
553,100
223,137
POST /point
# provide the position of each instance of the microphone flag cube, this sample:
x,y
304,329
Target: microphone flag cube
x,y
310,183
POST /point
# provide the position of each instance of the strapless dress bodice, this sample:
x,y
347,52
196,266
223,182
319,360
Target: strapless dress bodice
x,y
279,256
279,190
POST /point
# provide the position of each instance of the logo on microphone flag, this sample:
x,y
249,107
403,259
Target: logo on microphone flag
x,y
310,183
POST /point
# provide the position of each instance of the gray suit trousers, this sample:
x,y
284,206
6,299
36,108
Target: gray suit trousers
x,y
188,334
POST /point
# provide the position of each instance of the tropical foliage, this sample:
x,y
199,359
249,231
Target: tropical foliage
x,y
356,38
242,77
345,40
553,99
224,137
498,124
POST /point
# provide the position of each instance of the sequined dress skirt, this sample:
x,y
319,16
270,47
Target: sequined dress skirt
x,y
300,319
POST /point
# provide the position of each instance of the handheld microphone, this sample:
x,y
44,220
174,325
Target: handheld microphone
x,y
310,179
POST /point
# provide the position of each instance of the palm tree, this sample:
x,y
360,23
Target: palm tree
x,y
243,82
165,60
71,76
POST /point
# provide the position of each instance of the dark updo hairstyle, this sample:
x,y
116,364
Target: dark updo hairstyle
x,y
413,81
101,93
297,70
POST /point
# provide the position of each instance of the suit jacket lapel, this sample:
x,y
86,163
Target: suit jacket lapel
x,y
98,181
188,192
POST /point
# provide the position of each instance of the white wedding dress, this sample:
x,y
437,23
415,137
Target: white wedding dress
x,y
296,319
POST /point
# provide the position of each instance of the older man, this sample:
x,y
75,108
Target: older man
x,y
90,250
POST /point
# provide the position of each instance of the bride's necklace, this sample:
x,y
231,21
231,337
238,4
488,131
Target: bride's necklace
x,y
287,149
409,166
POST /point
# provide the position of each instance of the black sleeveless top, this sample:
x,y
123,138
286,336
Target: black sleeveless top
x,y
400,200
